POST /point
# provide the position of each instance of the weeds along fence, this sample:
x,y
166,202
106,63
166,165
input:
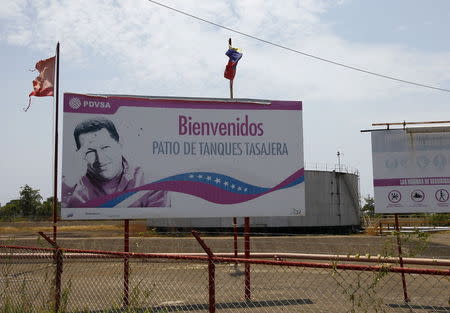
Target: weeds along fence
x,y
36,279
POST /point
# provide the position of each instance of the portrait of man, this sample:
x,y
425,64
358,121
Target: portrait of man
x,y
107,169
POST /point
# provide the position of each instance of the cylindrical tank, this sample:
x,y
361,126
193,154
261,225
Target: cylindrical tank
x,y
332,205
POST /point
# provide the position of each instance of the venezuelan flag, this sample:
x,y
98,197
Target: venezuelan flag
x,y
234,55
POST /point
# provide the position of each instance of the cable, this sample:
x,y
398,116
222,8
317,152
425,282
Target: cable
x,y
299,52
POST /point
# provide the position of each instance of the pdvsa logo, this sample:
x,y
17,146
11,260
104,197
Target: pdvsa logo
x,y
75,103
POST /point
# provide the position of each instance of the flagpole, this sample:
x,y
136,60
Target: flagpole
x,y
231,80
55,170
247,288
231,89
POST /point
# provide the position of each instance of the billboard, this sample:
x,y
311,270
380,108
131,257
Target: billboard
x,y
411,170
140,157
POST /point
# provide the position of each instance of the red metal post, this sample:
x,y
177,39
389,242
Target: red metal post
x,y
211,272
126,264
399,245
248,294
212,286
58,278
58,260
235,237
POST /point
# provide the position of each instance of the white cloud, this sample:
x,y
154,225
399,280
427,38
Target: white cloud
x,y
20,36
151,50
160,46
401,28
12,9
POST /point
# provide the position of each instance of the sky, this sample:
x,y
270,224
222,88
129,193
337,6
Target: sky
x,y
138,47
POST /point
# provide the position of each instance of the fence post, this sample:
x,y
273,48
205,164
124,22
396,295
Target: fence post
x,y
126,263
399,245
58,260
247,291
58,278
211,272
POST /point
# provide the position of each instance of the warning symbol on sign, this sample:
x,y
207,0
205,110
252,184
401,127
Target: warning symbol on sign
x,y
441,195
394,196
417,195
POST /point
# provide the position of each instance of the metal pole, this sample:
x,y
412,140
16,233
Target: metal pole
x,y
399,245
126,264
410,123
235,237
231,88
58,278
211,272
339,161
234,218
58,260
248,294
55,169
212,286
231,80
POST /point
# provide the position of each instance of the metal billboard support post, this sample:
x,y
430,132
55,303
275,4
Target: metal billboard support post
x,y
235,237
399,245
238,272
248,294
126,263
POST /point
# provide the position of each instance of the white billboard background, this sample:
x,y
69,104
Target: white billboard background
x,y
411,169
139,127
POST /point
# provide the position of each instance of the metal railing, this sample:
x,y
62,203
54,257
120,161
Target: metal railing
x,y
342,168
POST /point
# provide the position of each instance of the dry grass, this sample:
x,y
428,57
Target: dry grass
x,y
81,228
76,228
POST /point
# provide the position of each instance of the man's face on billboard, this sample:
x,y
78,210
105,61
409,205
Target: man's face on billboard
x,y
103,154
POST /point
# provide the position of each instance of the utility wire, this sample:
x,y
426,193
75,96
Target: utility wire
x,y
299,52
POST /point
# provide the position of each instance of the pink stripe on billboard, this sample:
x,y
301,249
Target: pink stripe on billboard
x,y
412,181
81,103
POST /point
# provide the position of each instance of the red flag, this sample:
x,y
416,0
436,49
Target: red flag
x,y
43,85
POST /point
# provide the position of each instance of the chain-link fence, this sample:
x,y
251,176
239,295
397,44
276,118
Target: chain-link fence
x,y
42,279
418,244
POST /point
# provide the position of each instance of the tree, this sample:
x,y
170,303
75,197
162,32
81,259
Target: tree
x,y
10,210
46,208
30,200
369,206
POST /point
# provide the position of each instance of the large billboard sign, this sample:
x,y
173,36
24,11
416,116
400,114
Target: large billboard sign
x,y
411,169
138,157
